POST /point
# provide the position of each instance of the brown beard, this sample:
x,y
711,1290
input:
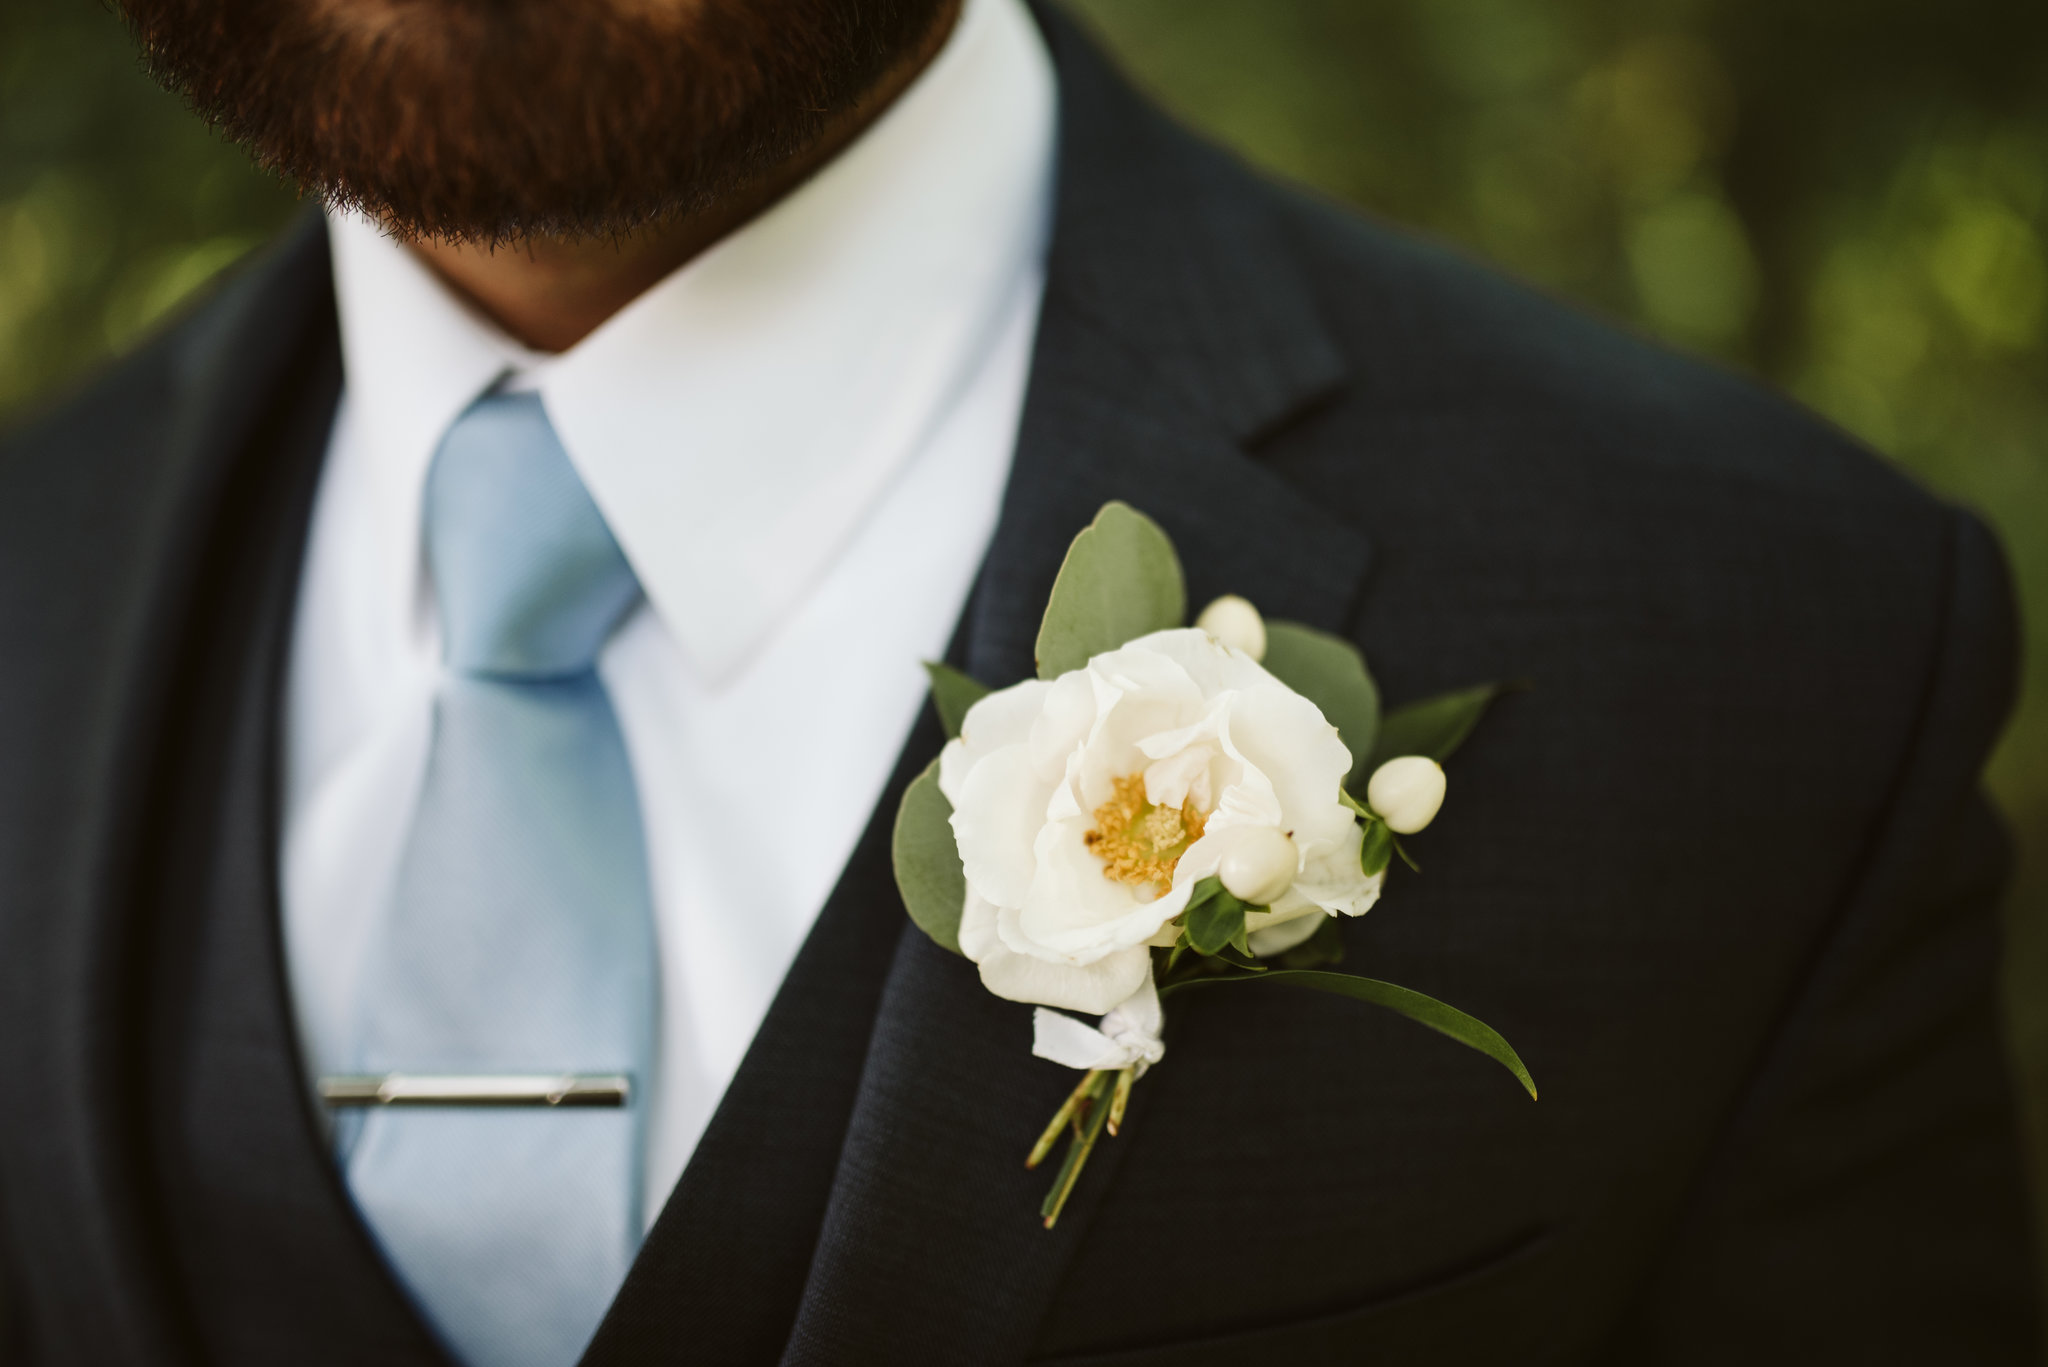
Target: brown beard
x,y
498,120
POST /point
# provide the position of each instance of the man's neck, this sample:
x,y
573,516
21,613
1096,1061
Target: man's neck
x,y
551,293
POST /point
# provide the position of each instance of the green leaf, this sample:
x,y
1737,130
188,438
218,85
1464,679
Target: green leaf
x,y
1202,891
1120,580
1435,726
1329,672
927,860
1446,1020
1215,919
953,693
1378,850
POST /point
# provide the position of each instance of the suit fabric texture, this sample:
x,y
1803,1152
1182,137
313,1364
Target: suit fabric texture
x,y
1720,869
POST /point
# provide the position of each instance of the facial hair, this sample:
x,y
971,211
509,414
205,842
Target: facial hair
x,y
500,120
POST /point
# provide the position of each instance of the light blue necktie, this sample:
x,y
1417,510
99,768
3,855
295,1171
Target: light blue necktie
x,y
520,937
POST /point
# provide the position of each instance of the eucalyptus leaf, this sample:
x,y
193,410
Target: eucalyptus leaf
x,y
1329,672
953,693
1215,922
1434,726
927,860
1121,580
1378,850
1424,1010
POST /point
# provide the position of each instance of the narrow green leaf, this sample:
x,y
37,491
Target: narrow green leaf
x,y
1378,850
1215,923
953,693
1329,672
1446,1020
927,860
1406,858
1121,580
1204,890
1435,726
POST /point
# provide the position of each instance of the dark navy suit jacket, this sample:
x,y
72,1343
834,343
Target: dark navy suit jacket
x,y
1721,871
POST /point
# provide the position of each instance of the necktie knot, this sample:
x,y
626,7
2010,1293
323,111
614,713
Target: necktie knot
x,y
528,578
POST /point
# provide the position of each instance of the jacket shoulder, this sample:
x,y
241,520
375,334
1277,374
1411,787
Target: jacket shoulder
x,y
115,413
127,406
81,470
1432,334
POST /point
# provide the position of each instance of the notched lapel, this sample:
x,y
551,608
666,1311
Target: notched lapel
x,y
723,1270
932,1250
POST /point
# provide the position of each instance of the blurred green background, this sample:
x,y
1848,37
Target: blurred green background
x,y
1848,199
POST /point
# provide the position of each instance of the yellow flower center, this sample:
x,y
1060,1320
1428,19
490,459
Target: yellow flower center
x,y
1137,842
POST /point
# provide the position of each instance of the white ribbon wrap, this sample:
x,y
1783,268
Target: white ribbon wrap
x,y
1128,1036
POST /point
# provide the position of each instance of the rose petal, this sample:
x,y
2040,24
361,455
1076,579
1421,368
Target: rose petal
x,y
1212,668
977,934
1073,912
1092,988
1129,709
1064,724
999,720
1331,877
996,819
1283,933
1169,781
1284,737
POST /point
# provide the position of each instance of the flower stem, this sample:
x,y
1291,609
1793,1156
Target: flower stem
x,y
1078,1150
1124,1078
1081,1092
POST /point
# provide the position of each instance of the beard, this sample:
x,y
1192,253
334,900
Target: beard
x,y
500,120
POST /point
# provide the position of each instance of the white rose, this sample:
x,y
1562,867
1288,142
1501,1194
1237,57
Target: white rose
x,y
1087,807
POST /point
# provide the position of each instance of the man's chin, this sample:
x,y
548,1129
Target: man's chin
x,y
488,122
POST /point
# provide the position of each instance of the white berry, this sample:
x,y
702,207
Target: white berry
x,y
1258,864
1406,792
1233,622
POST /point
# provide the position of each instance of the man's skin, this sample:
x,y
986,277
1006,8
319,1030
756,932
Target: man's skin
x,y
550,293
549,162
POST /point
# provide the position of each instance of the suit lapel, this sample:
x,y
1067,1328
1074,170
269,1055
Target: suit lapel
x,y
1172,334
723,1268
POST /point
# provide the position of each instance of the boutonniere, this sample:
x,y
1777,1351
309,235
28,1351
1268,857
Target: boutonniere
x,y
1166,808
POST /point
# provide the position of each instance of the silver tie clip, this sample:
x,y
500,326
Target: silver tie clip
x,y
473,1089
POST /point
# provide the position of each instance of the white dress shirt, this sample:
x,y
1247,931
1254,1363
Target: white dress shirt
x,y
800,440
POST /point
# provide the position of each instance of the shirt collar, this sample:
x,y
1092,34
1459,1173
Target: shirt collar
x,y
737,421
